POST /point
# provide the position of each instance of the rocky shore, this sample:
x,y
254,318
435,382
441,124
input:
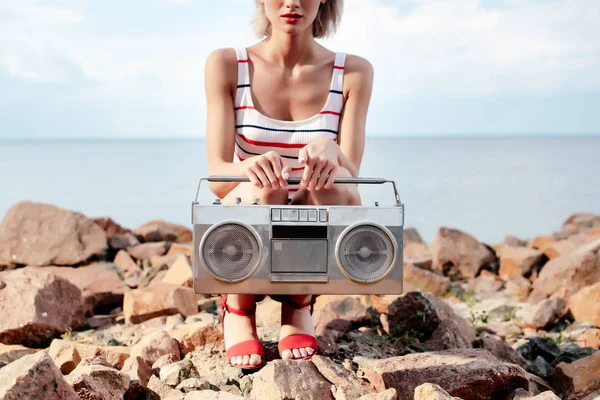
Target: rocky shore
x,y
93,310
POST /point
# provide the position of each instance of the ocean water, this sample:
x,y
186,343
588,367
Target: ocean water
x,y
488,187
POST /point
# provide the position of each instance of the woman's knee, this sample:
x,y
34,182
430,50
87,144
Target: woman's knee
x,y
338,194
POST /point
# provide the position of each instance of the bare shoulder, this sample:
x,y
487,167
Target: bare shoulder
x,y
221,66
358,73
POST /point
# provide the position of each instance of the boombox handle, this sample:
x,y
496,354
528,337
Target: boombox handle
x,y
296,180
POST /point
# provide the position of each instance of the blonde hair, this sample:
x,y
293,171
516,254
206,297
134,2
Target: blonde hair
x,y
326,23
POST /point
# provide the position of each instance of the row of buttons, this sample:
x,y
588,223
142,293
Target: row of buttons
x,y
298,215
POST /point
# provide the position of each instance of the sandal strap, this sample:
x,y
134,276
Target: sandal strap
x,y
244,313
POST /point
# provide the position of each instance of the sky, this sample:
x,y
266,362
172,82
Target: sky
x,y
135,68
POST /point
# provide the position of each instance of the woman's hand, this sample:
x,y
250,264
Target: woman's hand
x,y
267,171
320,159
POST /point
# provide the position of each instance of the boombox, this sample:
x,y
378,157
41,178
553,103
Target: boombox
x,y
289,249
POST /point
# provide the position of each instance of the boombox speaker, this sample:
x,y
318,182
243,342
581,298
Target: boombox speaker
x,y
290,249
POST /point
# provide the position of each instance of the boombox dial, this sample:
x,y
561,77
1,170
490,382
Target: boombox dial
x,y
231,251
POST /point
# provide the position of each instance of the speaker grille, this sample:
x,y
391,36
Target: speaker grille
x,y
365,253
231,252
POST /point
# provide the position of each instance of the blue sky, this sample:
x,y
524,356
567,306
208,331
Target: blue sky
x,y
73,68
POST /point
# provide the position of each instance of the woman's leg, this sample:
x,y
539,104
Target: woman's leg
x,y
241,328
299,321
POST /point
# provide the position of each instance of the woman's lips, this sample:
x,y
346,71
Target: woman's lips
x,y
291,18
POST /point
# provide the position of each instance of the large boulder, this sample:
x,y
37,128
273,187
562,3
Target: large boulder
x,y
579,378
67,354
157,231
161,299
459,255
574,271
518,261
585,304
47,306
42,234
465,373
96,378
34,377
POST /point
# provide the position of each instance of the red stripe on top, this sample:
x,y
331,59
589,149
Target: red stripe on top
x,y
245,108
330,112
243,61
338,67
272,144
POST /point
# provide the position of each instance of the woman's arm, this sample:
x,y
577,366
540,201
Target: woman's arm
x,y
351,136
219,81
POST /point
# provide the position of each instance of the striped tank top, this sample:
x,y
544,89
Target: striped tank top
x,y
258,134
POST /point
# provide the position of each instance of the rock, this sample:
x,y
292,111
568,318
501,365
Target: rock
x,y
465,373
110,227
381,303
541,368
138,370
156,229
163,390
34,376
429,391
510,240
389,394
574,271
146,251
192,384
582,221
163,360
212,395
521,394
67,354
500,349
540,242
196,335
161,299
94,377
415,252
152,275
485,283
417,279
48,305
518,261
129,267
593,396
518,287
156,345
459,255
41,234
174,374
180,272
284,379
166,260
348,385
182,248
585,304
12,352
538,346
120,242
577,379
544,314
341,315
573,353
101,287
559,248
590,338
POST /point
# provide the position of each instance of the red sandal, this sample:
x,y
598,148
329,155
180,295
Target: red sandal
x,y
298,340
246,347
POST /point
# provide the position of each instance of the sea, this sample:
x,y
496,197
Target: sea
x,y
489,187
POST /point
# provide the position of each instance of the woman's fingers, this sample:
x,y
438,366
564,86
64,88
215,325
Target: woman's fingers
x,y
254,179
316,173
330,179
260,173
322,179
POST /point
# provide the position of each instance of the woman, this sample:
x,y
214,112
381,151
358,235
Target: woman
x,y
284,107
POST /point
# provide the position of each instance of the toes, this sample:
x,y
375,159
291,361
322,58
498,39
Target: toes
x,y
296,353
310,351
245,360
303,352
255,359
240,359
287,355
233,361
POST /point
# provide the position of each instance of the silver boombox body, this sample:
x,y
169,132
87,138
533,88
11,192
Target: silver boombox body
x,y
289,249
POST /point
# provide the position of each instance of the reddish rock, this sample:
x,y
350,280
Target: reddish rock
x,y
196,335
129,267
459,255
389,394
465,373
574,271
163,260
156,230
582,221
545,313
417,279
182,248
110,227
341,315
67,355
518,287
161,299
500,349
12,352
585,304
559,248
180,272
518,261
412,252
340,376
146,251
138,370
486,283
163,360
540,242
34,376
96,378
590,338
123,242
579,378
163,390
41,234
290,379
47,306
429,391
99,283
212,395
381,303
411,235
155,345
